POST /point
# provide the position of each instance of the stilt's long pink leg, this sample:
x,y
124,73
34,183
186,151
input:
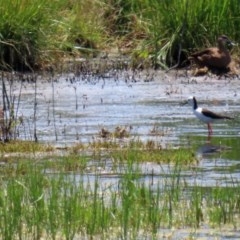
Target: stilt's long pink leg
x,y
210,131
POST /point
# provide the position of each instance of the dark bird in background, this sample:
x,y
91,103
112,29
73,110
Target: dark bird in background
x,y
214,57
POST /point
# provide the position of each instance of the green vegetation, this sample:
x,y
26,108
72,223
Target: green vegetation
x,y
23,147
54,196
33,34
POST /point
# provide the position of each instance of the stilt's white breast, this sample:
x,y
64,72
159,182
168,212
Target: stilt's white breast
x,y
198,113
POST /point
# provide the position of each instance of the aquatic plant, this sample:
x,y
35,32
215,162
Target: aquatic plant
x,y
52,196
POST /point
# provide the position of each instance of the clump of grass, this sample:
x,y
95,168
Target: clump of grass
x,y
34,33
175,156
20,24
23,147
223,205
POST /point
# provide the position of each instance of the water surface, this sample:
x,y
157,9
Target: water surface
x,y
71,109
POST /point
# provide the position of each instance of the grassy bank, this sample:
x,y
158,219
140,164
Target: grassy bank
x,y
155,33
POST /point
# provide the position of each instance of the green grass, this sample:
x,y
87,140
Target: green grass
x,y
179,27
23,147
155,33
34,33
62,196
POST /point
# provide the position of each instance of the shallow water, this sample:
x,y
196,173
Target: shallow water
x,y
71,109
75,111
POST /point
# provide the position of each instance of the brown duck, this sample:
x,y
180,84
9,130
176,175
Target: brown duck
x,y
214,57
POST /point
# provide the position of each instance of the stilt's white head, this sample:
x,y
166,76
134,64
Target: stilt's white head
x,y
192,101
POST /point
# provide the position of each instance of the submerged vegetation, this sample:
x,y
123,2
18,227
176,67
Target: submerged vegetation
x,y
155,33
